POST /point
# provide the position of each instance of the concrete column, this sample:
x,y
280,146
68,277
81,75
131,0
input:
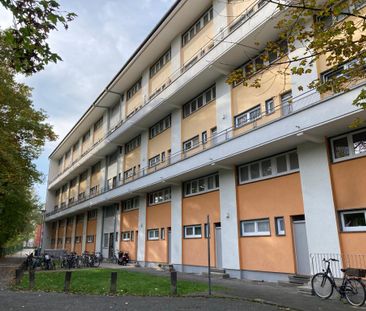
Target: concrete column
x,y
73,234
224,115
176,55
53,169
99,234
144,149
85,226
106,121
92,135
145,85
229,222
142,230
50,201
88,178
80,147
63,162
120,159
64,237
103,173
46,235
56,236
176,134
176,225
220,14
317,194
123,107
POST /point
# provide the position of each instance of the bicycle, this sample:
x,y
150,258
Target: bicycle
x,y
352,288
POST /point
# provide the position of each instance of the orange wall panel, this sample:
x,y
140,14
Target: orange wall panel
x,y
281,196
130,222
91,229
195,211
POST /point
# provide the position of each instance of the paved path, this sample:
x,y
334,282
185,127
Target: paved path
x,y
29,301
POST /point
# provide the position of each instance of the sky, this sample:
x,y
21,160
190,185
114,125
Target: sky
x,y
96,45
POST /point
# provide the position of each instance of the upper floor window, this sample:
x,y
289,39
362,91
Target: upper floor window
x,y
80,218
160,127
134,89
197,26
348,146
162,61
130,204
154,161
201,185
200,101
133,144
191,143
248,116
286,103
278,165
270,106
339,71
86,136
159,196
92,214
95,168
98,124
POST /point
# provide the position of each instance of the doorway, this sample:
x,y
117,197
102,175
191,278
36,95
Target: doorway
x,y
169,245
218,245
111,245
301,245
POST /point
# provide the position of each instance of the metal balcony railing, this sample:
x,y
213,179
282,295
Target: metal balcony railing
x,y
221,36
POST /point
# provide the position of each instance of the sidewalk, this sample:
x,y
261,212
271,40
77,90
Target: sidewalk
x,y
265,292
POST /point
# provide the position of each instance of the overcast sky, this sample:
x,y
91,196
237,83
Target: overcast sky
x,y
93,49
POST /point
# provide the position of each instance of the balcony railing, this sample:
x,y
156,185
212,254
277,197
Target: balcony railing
x,y
262,119
221,36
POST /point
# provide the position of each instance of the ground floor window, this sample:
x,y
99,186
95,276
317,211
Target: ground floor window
x,y
280,226
126,236
90,239
191,232
258,227
153,234
353,220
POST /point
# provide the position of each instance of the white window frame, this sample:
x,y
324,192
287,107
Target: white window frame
x,y
246,116
105,240
162,234
278,221
90,239
203,99
202,181
197,26
255,232
286,103
134,89
352,154
270,106
274,168
160,63
133,144
154,161
130,204
160,127
160,196
191,143
126,236
194,235
345,228
153,234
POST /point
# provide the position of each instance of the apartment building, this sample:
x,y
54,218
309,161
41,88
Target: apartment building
x,y
168,143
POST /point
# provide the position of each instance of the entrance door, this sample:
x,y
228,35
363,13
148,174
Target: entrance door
x,y
301,247
169,245
218,247
110,246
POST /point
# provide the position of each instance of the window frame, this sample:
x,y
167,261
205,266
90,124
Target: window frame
x,y
247,115
126,236
160,126
165,194
154,161
194,141
160,63
255,232
193,235
133,144
352,229
350,145
206,182
132,91
195,101
280,232
155,237
130,204
90,239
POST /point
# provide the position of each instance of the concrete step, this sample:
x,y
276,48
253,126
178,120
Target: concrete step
x,y
216,275
299,279
287,284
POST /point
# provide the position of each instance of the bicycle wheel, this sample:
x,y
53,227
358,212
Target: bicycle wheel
x,y
355,292
322,285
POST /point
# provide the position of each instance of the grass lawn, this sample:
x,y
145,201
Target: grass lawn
x,y
97,281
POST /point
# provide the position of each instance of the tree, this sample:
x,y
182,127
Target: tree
x,y
23,132
331,30
26,49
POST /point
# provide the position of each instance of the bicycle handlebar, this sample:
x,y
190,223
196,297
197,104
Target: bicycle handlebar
x,y
330,259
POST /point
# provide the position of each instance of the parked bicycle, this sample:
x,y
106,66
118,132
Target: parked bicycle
x,y
352,288
91,259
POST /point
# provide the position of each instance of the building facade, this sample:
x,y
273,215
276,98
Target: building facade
x,y
169,143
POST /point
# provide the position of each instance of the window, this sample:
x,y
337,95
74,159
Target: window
x,y
200,185
68,240
105,240
129,173
89,238
201,100
340,71
191,232
133,144
248,116
92,214
130,204
163,156
160,196
162,234
349,146
161,62
269,106
255,227
286,103
134,89
153,234
98,124
204,137
160,127
154,161
77,239
278,165
126,236
80,219
280,225
197,26
191,143
353,220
